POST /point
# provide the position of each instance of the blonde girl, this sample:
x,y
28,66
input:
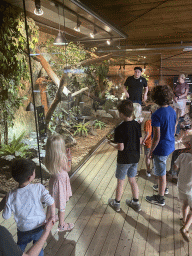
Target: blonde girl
x,y
58,163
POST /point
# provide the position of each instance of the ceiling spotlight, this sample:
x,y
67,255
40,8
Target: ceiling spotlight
x,y
38,11
77,28
109,41
92,34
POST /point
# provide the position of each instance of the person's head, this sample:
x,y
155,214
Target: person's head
x,y
162,95
154,107
125,107
181,78
23,170
137,112
55,157
137,72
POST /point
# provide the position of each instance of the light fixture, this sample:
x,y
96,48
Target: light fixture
x,y
109,41
77,28
38,11
30,107
92,34
60,39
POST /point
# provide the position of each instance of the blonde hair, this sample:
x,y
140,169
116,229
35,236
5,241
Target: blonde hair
x,y
55,158
182,76
137,111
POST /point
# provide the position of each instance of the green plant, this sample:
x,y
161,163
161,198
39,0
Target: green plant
x,y
82,129
15,148
99,124
14,60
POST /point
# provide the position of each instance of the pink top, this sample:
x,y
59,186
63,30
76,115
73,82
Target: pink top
x,y
60,189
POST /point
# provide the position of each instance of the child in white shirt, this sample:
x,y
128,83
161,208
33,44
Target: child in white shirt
x,y
25,202
184,165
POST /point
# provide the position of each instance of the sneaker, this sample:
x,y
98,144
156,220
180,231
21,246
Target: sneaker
x,y
155,187
114,205
148,174
134,205
155,200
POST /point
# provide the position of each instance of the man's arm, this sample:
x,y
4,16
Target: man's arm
x,y
36,248
126,92
145,93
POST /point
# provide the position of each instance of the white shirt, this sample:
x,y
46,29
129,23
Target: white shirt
x,y
184,163
26,205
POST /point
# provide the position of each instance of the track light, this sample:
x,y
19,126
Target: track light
x,y
92,34
109,41
38,11
77,28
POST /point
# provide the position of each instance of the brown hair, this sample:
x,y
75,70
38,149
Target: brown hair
x,y
162,95
126,107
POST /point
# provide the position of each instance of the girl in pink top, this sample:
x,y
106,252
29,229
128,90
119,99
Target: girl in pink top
x,y
58,163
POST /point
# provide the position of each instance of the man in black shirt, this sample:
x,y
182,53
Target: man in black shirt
x,y
133,87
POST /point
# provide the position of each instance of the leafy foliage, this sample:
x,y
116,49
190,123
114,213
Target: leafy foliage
x,y
14,61
15,148
63,56
82,129
99,124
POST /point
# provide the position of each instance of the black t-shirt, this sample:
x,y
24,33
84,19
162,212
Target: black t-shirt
x,y
8,247
135,87
129,133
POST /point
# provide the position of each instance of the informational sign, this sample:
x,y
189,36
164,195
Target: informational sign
x,y
41,122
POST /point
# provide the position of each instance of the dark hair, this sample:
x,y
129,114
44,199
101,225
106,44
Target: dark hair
x,y
162,95
126,107
139,68
22,170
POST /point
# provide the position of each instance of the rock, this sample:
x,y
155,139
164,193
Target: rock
x,y
93,132
114,113
8,157
103,113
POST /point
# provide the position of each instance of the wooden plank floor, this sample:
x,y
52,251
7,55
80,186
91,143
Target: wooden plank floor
x,y
99,230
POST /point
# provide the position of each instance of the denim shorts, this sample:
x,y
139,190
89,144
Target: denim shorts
x,y
126,169
160,165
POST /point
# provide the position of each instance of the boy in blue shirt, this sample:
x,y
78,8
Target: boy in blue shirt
x,y
163,142
127,138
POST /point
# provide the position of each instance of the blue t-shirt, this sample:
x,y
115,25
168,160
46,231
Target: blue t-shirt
x,y
165,118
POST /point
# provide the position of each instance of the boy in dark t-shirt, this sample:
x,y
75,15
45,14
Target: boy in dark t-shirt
x,y
127,138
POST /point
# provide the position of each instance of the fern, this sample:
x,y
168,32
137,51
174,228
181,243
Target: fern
x,y
15,147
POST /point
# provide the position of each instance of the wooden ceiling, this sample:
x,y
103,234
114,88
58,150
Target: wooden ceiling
x,y
158,32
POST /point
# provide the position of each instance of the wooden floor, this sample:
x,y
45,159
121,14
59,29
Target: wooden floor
x,y
99,230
